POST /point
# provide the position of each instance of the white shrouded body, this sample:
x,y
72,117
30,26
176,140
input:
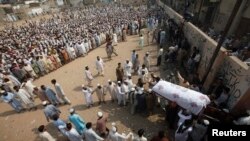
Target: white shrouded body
x,y
186,98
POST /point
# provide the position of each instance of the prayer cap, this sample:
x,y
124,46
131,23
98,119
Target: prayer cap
x,y
150,90
225,110
44,103
206,122
71,110
99,114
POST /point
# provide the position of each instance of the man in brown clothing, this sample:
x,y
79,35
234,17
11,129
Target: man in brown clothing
x,y
101,128
119,73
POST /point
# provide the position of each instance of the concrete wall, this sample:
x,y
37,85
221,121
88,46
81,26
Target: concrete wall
x,y
231,68
223,14
237,77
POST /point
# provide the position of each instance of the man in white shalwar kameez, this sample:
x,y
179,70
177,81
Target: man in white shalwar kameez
x,y
115,136
12,78
115,41
84,49
25,97
71,52
100,92
29,87
130,82
90,134
29,69
86,44
88,76
80,48
128,68
112,90
60,93
88,95
120,94
44,135
146,61
100,66
142,69
71,133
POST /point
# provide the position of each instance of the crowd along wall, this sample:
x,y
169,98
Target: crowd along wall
x,y
236,74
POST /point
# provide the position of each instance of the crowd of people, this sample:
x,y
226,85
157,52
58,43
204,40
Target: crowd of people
x,y
236,46
33,50
40,47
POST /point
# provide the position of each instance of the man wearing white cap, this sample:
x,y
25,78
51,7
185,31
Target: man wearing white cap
x,y
50,110
100,66
128,68
77,121
115,136
88,95
100,93
199,130
101,122
112,90
130,82
88,76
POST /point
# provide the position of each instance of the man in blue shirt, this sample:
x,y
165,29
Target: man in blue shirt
x,y
77,121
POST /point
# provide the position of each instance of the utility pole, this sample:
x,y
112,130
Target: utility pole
x,y
216,52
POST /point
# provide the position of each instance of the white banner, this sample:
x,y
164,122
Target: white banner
x,y
186,98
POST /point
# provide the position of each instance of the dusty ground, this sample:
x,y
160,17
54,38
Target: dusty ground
x,y
23,126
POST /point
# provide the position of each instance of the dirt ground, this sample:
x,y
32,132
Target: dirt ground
x,y
23,126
